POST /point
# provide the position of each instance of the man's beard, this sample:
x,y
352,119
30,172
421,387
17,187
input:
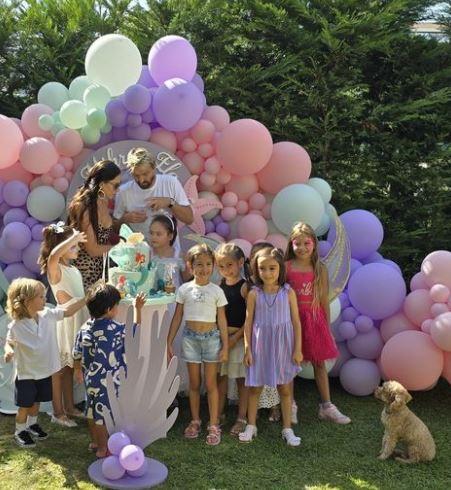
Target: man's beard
x,y
144,185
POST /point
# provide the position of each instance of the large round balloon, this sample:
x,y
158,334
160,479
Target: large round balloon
x,y
395,324
364,230
11,141
38,155
252,228
45,203
113,61
360,377
178,104
440,330
243,186
297,202
73,114
289,164
172,57
30,120
53,94
376,290
244,147
68,142
436,268
413,359
417,306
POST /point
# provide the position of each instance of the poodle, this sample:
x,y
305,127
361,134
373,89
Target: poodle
x,y
402,425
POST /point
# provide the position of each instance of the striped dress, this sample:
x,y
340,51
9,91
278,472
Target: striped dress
x,y
272,340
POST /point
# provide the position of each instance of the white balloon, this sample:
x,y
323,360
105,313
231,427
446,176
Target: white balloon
x,y
335,309
322,187
44,203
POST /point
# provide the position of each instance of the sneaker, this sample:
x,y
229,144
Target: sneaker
x,y
333,414
63,420
36,431
290,438
24,439
294,413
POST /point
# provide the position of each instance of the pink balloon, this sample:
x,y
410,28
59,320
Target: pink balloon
x,y
18,123
212,165
229,199
180,136
188,145
69,176
16,172
194,162
244,147
228,213
257,201
61,184
207,179
68,142
395,324
243,186
203,131
47,179
216,188
242,207
206,150
413,359
441,331
243,244
180,154
164,138
252,227
36,183
66,162
256,211
417,306
437,268
426,326
11,141
439,293
438,309
38,155
446,373
223,176
418,281
57,171
218,116
267,211
30,120
277,240
289,164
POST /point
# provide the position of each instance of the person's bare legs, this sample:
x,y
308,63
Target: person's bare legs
x,y
102,440
243,395
57,394
68,391
252,404
285,404
93,446
211,372
322,381
223,384
194,389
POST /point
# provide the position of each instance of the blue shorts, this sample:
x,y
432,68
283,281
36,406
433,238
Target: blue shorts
x,y
200,347
30,391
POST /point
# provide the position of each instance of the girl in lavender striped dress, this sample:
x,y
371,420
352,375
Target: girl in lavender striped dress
x,y
272,339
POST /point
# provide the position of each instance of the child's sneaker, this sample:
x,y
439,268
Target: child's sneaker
x,y
294,413
332,413
24,439
36,431
290,438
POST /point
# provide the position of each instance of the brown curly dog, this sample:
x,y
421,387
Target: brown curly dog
x,y
402,425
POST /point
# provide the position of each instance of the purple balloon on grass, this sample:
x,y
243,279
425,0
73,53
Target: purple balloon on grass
x,y
112,469
360,377
117,441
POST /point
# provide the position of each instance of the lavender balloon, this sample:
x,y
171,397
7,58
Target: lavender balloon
x,y
147,116
8,255
142,132
119,134
366,345
134,120
344,356
360,377
30,222
344,300
392,264
347,330
131,457
137,99
323,248
14,271
146,78
223,229
112,469
354,265
349,314
374,257
364,324
15,214
116,113
36,232
140,471
209,226
117,441
198,82
16,235
15,193
30,256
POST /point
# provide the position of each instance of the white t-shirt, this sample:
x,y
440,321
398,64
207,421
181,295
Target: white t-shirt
x,y
131,197
200,303
35,344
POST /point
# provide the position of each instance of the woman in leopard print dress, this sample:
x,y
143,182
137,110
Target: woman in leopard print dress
x,y
89,212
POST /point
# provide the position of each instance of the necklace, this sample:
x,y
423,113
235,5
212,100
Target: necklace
x,y
268,303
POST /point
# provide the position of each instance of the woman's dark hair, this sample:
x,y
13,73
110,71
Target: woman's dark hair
x,y
266,253
85,198
100,298
169,223
53,235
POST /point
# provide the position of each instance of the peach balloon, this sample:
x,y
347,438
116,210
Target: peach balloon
x,y
395,324
61,184
446,373
212,166
229,199
413,359
289,164
68,142
437,268
206,150
30,120
203,131
228,213
16,172
180,136
57,171
69,176
278,240
11,141
257,201
223,176
441,331
217,115
256,211
242,207
417,306
439,293
252,228
194,162
243,244
47,179
180,154
216,188
188,145
244,147
418,281
207,179
243,186
164,138
438,309
38,155
66,162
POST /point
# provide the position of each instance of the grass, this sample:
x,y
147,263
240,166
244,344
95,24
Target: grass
x,y
331,457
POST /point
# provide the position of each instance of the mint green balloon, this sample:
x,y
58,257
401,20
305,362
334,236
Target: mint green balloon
x,y
56,117
78,86
96,96
53,94
45,122
57,127
106,128
96,118
90,135
73,114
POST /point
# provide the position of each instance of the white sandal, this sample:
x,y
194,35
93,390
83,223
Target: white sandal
x,y
249,433
290,438
63,420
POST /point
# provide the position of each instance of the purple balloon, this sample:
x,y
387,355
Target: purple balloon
x,y
146,78
137,99
36,232
147,116
16,235
140,471
15,214
16,270
15,193
223,229
374,257
366,345
116,113
364,230
1,190
4,207
377,290
105,138
347,330
30,256
392,264
178,105
112,469
349,314
360,377
30,222
344,356
131,457
217,220
344,300
323,248
8,255
363,324
198,82
142,132
209,226
117,441
119,134
354,265
134,120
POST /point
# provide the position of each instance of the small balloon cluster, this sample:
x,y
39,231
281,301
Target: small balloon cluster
x,y
126,458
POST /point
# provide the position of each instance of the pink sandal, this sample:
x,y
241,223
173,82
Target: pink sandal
x,y
214,435
193,429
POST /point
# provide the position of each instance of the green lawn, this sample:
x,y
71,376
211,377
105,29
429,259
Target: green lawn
x,y
330,456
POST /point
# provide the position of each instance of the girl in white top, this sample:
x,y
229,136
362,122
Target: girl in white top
x,y
59,247
204,337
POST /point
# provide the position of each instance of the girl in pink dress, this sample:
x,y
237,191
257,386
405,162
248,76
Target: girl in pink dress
x,y
309,279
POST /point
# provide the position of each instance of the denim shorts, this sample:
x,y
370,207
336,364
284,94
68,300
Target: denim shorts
x,y
198,347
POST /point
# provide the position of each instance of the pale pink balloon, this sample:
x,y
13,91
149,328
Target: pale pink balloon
x,y
439,293
417,306
394,324
229,199
267,211
223,176
216,237
228,213
68,142
30,120
418,281
57,171
217,115
66,162
206,150
289,164
69,176
180,154
426,326
413,359
180,136
36,183
61,184
242,207
437,268
16,172
18,122
446,373
441,331
188,145
212,166
203,131
11,141
256,211
438,309
244,147
252,228
216,188
257,201
194,162
207,179
243,244
164,138
277,240
47,179
243,186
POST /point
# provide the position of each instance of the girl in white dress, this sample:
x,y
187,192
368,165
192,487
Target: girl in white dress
x,y
59,247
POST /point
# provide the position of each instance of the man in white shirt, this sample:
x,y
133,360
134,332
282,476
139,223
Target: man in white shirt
x,y
149,193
